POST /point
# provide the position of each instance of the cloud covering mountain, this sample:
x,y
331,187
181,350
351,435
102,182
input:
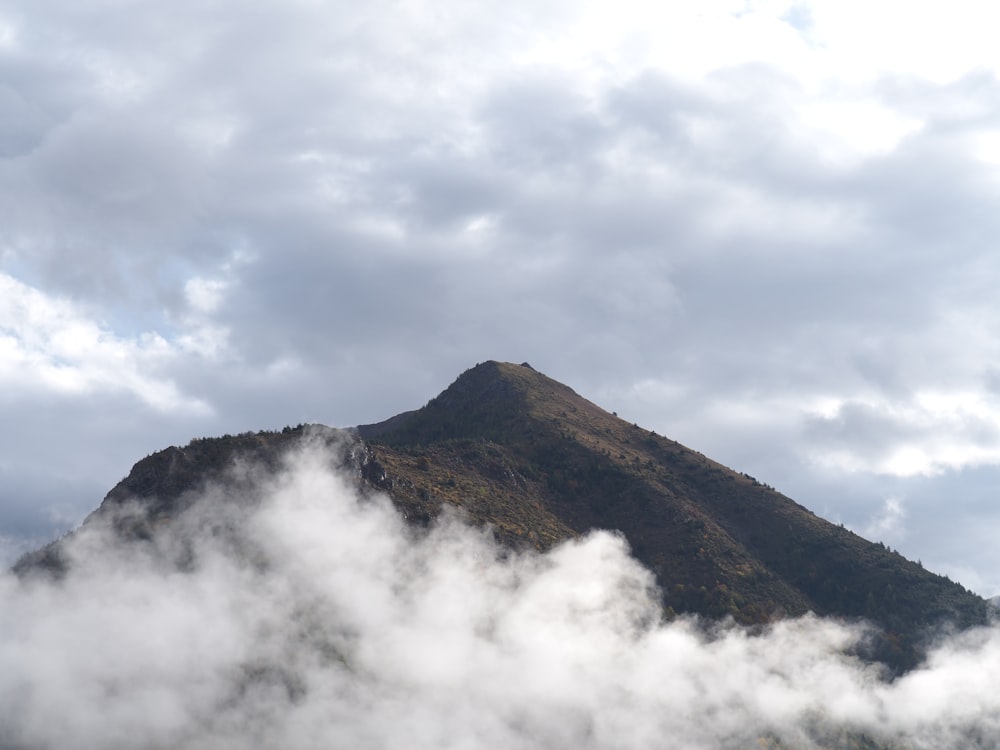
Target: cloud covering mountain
x,y
283,609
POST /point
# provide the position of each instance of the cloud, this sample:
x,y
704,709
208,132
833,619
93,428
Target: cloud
x,y
932,433
888,525
51,345
287,610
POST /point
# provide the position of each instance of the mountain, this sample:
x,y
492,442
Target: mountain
x,y
510,448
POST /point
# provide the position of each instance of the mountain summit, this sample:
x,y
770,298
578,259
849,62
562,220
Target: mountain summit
x,y
514,450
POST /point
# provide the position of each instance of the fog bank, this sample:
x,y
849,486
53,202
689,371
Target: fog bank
x,y
294,612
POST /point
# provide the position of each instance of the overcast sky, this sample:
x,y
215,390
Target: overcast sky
x,y
765,229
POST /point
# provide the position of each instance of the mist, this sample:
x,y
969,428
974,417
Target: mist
x,y
291,610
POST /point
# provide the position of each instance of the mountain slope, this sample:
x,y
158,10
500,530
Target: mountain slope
x,y
720,543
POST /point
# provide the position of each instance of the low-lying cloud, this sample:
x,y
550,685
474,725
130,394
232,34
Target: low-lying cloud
x,y
290,610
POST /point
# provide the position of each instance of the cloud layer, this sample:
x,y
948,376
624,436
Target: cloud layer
x,y
285,610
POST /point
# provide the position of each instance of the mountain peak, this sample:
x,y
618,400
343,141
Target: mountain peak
x,y
491,400
489,381
497,380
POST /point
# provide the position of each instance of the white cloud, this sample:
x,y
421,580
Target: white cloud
x,y
49,344
926,39
306,616
931,433
888,525
853,130
986,146
205,295
8,34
